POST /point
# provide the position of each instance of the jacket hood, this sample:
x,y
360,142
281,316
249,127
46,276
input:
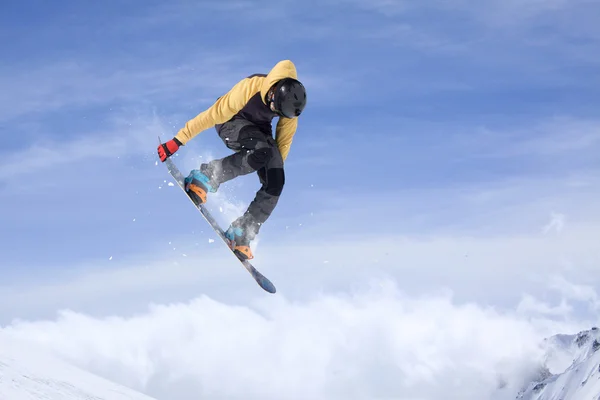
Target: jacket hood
x,y
283,69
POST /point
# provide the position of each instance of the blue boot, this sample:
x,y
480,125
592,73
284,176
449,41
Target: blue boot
x,y
197,184
239,242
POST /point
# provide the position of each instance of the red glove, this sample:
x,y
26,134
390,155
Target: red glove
x,y
166,150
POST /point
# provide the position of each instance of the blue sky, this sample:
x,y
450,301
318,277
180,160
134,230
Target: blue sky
x,y
446,145
392,92
406,103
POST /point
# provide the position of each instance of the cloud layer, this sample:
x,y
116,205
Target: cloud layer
x,y
377,343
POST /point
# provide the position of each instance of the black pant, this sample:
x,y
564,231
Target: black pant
x,y
255,151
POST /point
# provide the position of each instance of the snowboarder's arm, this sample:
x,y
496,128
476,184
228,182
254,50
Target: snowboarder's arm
x,y
286,128
222,110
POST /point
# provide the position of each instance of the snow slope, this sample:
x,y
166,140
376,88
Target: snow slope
x,y
572,369
29,374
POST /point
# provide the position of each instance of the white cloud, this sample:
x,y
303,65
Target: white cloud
x,y
517,43
550,137
504,263
560,149
490,11
557,223
582,293
530,305
132,135
377,343
69,84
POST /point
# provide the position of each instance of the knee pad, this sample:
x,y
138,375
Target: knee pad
x,y
275,181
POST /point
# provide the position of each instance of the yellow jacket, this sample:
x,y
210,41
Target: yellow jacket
x,y
228,105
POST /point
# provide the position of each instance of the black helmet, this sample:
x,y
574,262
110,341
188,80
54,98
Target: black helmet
x,y
289,97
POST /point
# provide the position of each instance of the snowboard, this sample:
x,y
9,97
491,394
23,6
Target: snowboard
x,y
262,281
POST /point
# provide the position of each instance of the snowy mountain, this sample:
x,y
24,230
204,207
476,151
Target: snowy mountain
x,y
30,374
572,369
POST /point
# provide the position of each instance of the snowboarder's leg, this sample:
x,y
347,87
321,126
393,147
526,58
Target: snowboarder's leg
x,y
248,143
242,137
271,174
255,151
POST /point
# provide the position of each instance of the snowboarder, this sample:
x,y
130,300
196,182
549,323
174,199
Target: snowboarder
x,y
242,118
